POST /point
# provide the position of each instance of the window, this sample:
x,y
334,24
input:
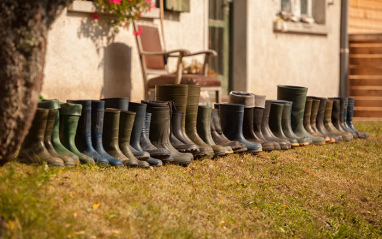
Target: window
x,y
306,11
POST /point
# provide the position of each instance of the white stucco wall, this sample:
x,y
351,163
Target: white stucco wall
x,y
292,59
85,60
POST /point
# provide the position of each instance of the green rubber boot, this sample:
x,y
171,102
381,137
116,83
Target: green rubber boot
x,y
297,95
125,128
69,116
191,121
33,149
204,129
53,106
110,137
328,121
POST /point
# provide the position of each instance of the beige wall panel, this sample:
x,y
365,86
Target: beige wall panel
x,y
291,59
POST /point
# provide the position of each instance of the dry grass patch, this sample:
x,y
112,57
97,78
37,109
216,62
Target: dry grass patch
x,y
326,191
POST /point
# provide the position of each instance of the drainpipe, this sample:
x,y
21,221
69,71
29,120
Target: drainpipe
x,y
344,50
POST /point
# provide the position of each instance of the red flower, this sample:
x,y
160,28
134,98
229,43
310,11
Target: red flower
x,y
95,16
115,1
139,32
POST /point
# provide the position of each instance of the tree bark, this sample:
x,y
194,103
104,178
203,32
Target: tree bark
x,y
23,34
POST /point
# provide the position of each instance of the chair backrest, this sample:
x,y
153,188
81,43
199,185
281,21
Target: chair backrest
x,y
150,40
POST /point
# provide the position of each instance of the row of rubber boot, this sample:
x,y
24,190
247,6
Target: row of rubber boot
x,y
290,121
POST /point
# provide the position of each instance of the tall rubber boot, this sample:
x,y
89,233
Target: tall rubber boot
x,y
110,137
140,110
193,96
55,138
126,123
344,118
336,121
258,112
328,121
177,94
160,131
267,132
97,118
122,103
53,106
231,116
219,137
349,119
313,120
204,129
177,136
306,121
69,117
276,124
343,111
147,146
33,149
83,138
248,100
297,95
320,125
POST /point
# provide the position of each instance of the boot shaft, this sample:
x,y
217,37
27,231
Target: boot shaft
x,y
204,123
140,110
231,116
37,130
121,103
307,112
328,111
350,108
314,112
275,118
192,106
125,126
97,121
111,130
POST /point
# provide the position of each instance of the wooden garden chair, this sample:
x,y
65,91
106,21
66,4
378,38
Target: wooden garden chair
x,y
153,60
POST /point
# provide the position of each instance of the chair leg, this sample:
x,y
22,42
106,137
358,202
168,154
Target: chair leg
x,y
217,96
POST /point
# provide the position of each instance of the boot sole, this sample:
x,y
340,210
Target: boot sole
x,y
295,144
304,144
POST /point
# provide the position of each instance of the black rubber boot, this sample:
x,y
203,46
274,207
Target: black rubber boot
x,y
83,136
160,130
267,132
297,95
231,116
146,144
33,149
320,125
336,119
219,137
140,110
69,117
110,137
179,95
53,106
306,121
328,121
204,129
349,119
276,124
97,118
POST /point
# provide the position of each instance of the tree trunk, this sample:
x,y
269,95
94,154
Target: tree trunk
x,y
23,33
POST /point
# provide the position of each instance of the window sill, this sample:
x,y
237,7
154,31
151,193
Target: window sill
x,y
300,28
88,7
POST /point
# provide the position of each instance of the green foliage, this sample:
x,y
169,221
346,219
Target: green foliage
x,y
123,11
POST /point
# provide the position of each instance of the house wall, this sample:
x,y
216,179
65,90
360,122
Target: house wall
x,y
287,58
85,60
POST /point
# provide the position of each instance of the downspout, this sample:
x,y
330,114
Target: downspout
x,y
344,50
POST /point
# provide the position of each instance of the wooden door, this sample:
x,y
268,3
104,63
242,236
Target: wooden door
x,y
218,40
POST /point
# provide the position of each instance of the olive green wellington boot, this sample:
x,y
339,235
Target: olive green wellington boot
x,y
307,116
191,121
313,119
69,116
33,149
53,106
328,121
110,137
204,129
297,94
177,94
126,124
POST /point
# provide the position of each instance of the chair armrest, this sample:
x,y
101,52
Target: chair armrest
x,y
164,53
206,52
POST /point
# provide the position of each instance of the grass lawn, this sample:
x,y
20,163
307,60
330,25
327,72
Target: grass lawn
x,y
331,191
